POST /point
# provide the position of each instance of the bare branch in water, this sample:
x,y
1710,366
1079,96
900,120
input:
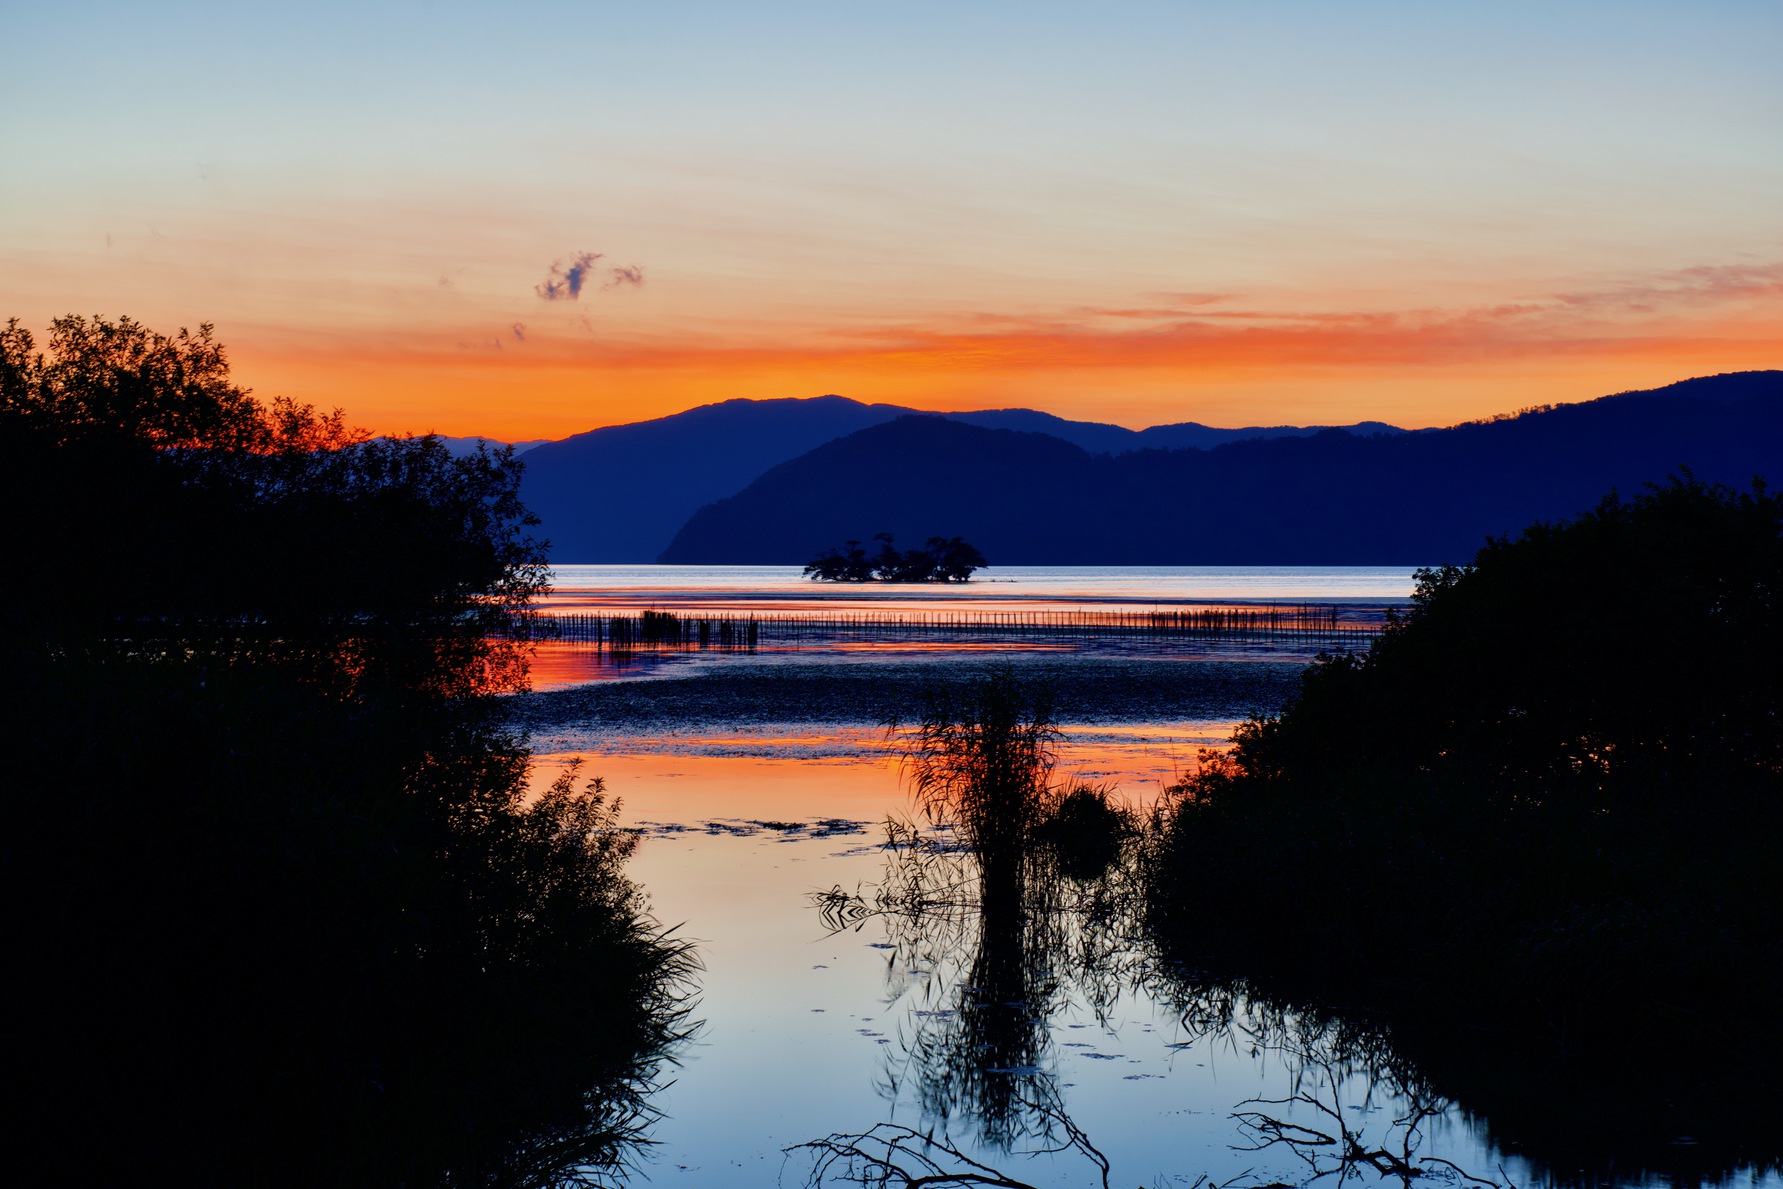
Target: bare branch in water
x,y
1344,1151
889,1155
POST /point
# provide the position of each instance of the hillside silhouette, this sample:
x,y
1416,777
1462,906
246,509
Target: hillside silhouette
x,y
1333,498
1099,438
618,494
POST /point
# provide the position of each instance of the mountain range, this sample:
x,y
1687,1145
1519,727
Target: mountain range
x,y
775,481
621,493
1332,497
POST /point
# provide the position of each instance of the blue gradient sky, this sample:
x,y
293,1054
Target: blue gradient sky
x,y
1231,213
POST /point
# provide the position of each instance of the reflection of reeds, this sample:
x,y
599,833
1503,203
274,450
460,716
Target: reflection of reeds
x,y
1013,896
1307,626
651,631
995,917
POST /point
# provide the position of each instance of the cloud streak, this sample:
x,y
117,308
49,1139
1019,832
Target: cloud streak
x,y
566,282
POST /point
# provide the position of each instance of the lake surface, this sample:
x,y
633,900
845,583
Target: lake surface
x,y
1073,586
1358,596
759,781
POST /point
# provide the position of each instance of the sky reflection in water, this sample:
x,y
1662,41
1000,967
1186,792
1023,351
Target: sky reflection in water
x,y
750,802
1361,593
808,1032
670,587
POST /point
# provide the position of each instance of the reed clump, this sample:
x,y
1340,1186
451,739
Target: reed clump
x,y
988,894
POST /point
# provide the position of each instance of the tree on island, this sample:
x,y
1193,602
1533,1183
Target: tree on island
x,y
941,559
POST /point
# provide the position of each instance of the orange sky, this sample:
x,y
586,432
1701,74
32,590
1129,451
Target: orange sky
x,y
1219,363
1135,213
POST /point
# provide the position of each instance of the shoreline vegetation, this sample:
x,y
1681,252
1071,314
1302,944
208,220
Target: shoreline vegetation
x,y
1549,918
1534,834
280,911
941,559
1538,885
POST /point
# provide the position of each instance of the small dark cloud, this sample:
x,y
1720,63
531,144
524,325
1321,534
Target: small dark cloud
x,y
569,281
519,329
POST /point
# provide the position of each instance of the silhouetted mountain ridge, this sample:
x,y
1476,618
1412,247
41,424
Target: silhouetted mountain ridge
x,y
1331,498
619,493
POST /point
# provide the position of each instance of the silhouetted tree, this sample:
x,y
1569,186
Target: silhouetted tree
x,y
942,559
280,910
850,564
955,560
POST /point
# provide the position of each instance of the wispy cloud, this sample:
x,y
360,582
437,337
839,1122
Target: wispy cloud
x,y
1698,286
568,281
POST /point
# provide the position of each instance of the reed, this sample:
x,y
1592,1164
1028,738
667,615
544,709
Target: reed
x,y
1326,627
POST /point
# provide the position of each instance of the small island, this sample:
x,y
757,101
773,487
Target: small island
x,y
941,559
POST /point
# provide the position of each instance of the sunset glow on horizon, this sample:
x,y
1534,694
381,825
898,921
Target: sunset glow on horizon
x,y
530,222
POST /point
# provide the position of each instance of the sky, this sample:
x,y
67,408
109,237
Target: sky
x,y
530,219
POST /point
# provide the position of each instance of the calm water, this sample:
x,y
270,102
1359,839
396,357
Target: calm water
x,y
759,781
1049,586
1359,594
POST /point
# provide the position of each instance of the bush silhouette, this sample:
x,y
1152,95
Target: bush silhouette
x,y
280,910
1545,802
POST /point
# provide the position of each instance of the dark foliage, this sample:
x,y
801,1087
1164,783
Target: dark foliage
x,y
279,910
1540,819
247,525
941,559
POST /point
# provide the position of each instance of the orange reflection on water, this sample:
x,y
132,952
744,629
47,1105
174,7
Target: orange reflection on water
x,y
1142,759
934,605
692,789
859,778
558,665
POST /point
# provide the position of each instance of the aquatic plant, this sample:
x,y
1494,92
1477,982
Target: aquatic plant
x,y
981,757
1008,915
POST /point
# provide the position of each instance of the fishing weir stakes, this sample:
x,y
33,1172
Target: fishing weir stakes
x,y
1302,626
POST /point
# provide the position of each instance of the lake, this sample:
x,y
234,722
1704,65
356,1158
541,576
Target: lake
x,y
760,780
799,618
